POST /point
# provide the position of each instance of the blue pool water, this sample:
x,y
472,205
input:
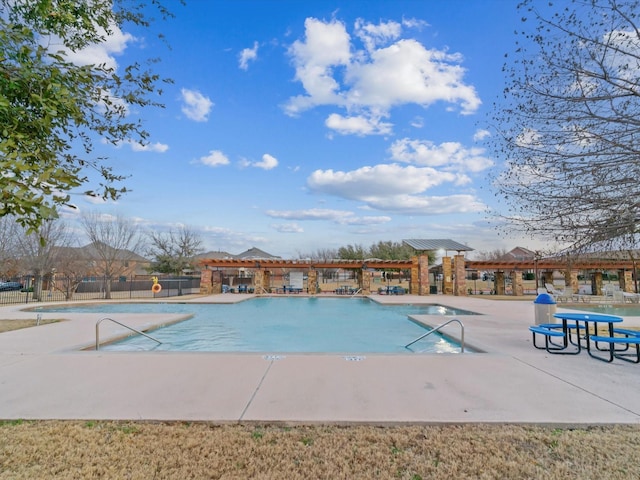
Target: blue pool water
x,y
281,325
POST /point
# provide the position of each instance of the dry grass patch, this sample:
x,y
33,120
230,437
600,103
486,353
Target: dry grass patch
x,y
74,449
9,325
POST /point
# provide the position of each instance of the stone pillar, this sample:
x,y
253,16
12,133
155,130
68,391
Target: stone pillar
x,y
423,283
206,282
266,282
596,283
499,283
573,280
516,283
626,281
312,281
447,274
415,284
258,281
366,281
460,285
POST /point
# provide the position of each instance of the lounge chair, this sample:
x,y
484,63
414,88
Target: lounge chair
x,y
631,297
558,295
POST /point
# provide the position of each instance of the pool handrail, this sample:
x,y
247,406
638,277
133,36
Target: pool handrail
x,y
122,325
438,328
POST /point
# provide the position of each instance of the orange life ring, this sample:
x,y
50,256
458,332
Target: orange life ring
x,y
156,288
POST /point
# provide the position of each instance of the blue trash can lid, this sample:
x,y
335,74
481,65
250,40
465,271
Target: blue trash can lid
x,y
545,298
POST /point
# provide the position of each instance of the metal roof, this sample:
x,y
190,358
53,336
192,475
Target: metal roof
x,y
436,244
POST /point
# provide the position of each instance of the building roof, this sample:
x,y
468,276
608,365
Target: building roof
x,y
216,254
518,253
436,244
91,250
254,253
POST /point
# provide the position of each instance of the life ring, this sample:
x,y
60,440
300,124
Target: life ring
x,y
156,288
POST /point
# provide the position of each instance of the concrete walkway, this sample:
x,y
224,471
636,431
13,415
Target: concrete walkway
x,y
44,374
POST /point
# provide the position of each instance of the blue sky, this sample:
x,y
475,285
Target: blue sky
x,y
295,126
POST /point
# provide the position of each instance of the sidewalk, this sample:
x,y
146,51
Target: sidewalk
x,y
44,374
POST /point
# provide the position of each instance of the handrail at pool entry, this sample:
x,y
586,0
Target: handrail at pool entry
x,y
438,328
122,325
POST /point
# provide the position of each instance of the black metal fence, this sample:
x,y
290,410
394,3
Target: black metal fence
x,y
58,288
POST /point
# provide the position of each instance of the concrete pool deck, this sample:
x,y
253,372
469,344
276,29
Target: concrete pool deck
x,y
45,374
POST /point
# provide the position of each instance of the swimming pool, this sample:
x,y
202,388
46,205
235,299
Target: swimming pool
x,y
283,325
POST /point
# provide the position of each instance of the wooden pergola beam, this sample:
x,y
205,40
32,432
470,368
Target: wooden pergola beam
x,y
307,264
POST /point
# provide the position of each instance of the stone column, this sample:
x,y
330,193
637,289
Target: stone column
x,y
573,280
415,284
460,285
596,283
447,273
366,281
312,281
516,283
423,283
499,283
626,281
258,281
206,282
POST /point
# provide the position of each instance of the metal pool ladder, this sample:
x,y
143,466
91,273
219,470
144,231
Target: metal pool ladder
x,y
122,325
438,328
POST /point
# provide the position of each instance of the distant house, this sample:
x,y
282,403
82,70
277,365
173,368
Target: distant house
x,y
518,254
217,254
255,254
90,261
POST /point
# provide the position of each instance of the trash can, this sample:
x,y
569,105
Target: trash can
x,y
545,307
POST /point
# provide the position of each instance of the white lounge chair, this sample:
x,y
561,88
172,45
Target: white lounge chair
x,y
560,295
631,297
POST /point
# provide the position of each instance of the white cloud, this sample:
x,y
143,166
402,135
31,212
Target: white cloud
x,y
406,72
196,106
148,147
102,53
451,156
248,55
481,135
231,240
414,23
396,188
138,147
310,214
529,138
374,35
417,122
358,125
369,83
288,228
340,217
215,159
428,205
326,46
268,162
377,181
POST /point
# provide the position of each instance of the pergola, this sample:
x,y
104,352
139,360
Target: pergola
x,y
210,280
570,268
211,276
